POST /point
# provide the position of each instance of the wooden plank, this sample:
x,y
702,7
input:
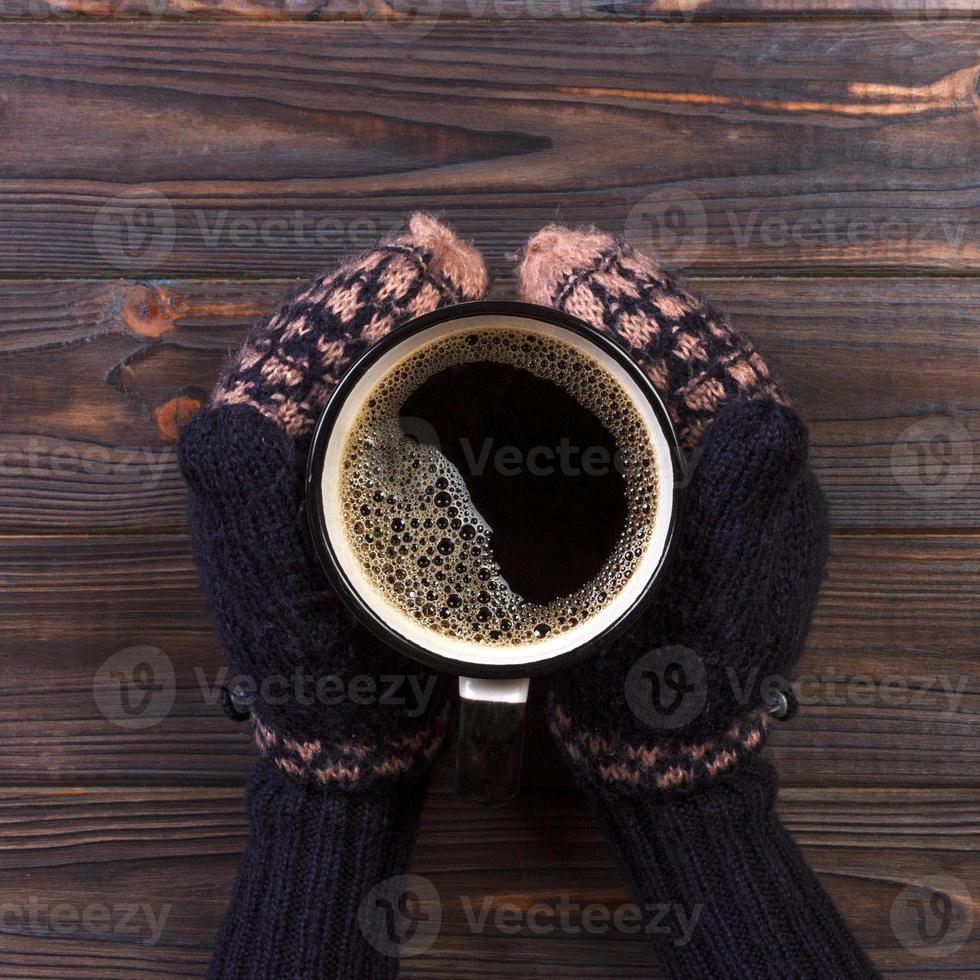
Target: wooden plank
x,y
875,368
88,370
170,852
837,151
889,682
884,371
407,16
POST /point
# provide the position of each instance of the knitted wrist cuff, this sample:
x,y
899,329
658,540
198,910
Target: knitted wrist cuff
x,y
655,768
311,860
354,763
725,889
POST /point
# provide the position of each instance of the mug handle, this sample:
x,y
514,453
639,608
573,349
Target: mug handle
x,y
491,739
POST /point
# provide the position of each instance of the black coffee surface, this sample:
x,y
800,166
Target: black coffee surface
x,y
539,466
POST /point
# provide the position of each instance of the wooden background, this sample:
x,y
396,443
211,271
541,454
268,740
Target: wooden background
x,y
168,169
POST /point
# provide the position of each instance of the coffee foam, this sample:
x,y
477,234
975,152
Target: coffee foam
x,y
410,523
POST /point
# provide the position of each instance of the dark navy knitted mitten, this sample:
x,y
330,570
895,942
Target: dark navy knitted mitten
x,y
664,729
333,805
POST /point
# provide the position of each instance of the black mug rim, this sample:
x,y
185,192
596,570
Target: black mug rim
x,y
364,612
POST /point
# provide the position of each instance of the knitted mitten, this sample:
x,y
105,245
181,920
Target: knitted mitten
x,y
333,804
664,729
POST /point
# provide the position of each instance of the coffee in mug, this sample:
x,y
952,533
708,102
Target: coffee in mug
x,y
494,490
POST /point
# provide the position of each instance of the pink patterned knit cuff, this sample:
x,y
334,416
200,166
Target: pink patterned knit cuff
x,y
619,764
291,362
696,359
354,762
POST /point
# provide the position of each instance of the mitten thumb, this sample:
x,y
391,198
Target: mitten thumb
x,y
233,453
746,462
753,546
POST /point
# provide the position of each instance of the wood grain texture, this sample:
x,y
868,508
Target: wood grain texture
x,y
889,679
149,849
162,184
92,369
406,15
268,150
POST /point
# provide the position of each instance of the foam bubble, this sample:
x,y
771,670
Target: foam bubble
x,y
411,524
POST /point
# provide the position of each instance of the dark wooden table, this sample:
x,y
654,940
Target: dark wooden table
x,y
166,171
